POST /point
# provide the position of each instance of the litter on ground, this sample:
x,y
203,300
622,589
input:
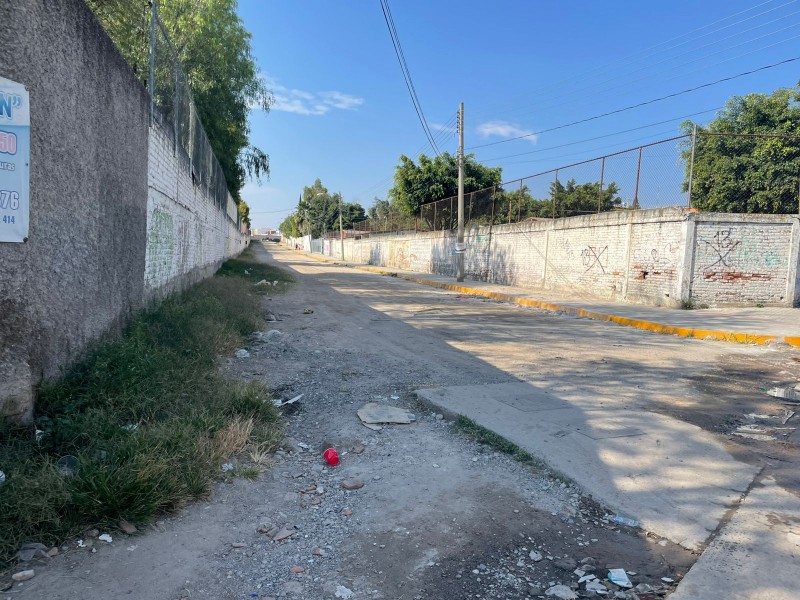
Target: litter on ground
x,y
374,413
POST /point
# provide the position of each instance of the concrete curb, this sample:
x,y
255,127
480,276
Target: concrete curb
x,y
702,334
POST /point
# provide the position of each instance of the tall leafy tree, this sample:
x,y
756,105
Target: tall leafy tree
x,y
749,174
318,211
290,226
431,179
214,50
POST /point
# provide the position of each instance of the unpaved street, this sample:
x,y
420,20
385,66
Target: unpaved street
x,y
439,516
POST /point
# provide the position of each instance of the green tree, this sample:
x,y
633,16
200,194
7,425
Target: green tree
x,y
748,174
434,179
572,199
318,211
290,227
214,49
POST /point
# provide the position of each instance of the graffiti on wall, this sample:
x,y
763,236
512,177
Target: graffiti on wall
x,y
728,256
660,261
719,248
160,246
595,258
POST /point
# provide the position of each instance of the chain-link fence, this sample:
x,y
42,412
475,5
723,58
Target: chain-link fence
x,y
144,42
726,172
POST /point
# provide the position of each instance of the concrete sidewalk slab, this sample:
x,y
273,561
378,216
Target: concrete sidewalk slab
x,y
739,325
756,556
673,477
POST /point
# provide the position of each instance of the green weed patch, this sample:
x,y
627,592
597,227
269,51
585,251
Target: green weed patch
x,y
147,418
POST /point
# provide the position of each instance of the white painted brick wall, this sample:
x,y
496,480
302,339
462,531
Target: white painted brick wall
x,y
186,230
637,257
741,262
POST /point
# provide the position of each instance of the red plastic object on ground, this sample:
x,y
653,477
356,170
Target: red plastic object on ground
x,y
331,456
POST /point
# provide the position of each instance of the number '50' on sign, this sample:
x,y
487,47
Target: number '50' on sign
x,y
8,143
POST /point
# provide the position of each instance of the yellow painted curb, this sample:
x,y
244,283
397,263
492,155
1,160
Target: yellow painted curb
x,y
703,334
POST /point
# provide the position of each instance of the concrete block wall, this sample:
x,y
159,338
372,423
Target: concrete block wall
x,y
114,218
659,257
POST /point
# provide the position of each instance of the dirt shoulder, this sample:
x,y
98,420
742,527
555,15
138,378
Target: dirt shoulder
x,y
438,515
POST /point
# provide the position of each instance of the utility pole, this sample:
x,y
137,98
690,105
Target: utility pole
x,y
460,246
341,227
691,165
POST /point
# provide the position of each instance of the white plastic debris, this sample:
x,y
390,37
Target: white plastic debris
x,y
81,544
2,478
395,397
787,393
620,520
263,282
597,587
105,538
242,353
278,402
227,467
619,577
667,580
130,427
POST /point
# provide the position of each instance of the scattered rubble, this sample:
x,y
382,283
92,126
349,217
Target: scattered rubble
x,y
127,527
242,353
561,591
29,552
23,575
352,484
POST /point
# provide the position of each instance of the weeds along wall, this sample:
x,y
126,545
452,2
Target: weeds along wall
x,y
114,220
664,257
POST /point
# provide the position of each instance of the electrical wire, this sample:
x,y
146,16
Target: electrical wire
x,y
640,104
599,137
387,15
653,50
659,72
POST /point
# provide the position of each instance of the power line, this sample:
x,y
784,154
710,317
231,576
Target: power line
x,y
398,50
640,104
636,57
655,73
448,130
599,137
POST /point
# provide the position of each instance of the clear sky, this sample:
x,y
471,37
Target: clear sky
x,y
343,113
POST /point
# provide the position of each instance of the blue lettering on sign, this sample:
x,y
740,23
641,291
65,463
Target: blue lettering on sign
x,y
8,102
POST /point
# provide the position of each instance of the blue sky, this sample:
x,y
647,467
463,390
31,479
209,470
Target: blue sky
x,y
343,113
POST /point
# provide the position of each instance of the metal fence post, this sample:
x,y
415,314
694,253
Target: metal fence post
x,y
152,77
177,107
691,165
600,193
434,216
494,195
555,195
638,172
519,205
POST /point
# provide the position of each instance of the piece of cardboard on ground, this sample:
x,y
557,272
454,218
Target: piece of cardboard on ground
x,y
373,413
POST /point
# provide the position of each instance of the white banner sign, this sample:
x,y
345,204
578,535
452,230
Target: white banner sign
x,y
15,151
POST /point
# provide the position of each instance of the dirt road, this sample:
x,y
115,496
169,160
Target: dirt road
x,y
439,516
